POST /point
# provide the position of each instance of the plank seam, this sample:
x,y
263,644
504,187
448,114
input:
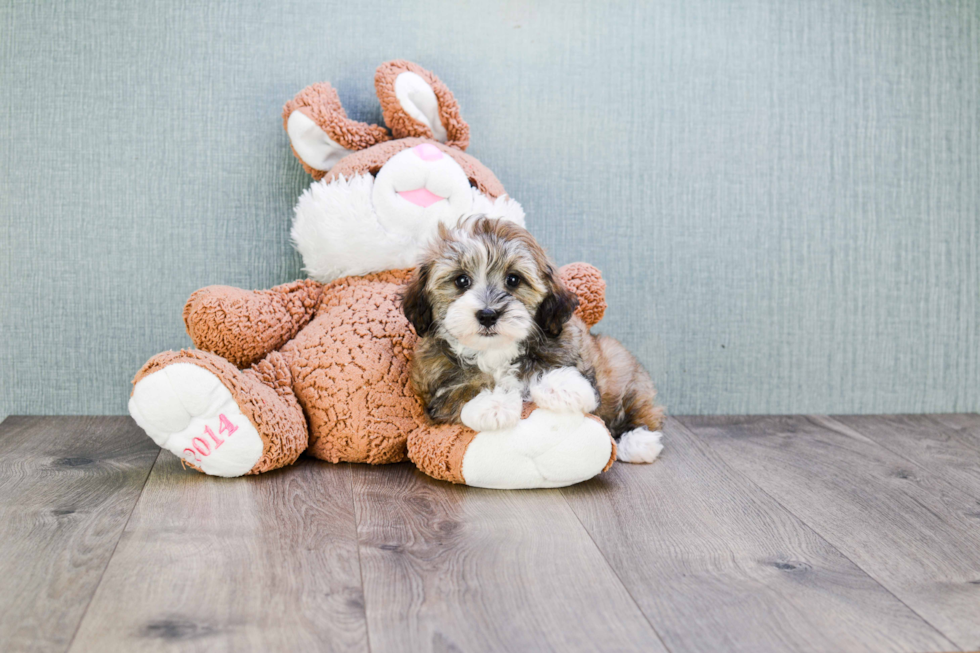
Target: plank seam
x,y
845,429
720,460
122,532
357,545
615,573
849,431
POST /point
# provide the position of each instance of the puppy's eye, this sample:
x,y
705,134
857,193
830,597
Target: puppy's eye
x,y
463,282
513,281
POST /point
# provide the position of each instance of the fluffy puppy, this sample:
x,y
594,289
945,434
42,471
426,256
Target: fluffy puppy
x,y
497,327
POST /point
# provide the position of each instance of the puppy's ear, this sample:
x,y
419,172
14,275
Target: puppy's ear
x,y
557,307
415,301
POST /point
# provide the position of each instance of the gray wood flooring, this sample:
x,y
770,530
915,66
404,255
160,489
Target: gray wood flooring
x,y
804,533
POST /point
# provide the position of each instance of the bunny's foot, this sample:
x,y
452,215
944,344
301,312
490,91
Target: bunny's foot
x,y
545,449
216,418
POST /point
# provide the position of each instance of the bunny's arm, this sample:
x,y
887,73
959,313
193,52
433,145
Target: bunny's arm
x,y
242,326
586,282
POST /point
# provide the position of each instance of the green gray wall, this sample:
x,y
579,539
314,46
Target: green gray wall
x,y
784,195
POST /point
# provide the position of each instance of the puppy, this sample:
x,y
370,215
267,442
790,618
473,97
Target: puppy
x,y
497,327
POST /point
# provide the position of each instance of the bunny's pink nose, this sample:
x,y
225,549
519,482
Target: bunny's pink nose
x,y
428,152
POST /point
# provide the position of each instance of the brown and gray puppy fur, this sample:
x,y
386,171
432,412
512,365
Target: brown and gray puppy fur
x,y
497,327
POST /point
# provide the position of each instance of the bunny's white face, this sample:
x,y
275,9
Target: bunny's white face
x,y
418,188
373,223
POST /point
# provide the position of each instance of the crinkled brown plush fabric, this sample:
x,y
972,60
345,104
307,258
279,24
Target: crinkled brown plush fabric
x,y
263,394
350,371
403,125
243,326
320,103
586,282
528,408
439,449
369,161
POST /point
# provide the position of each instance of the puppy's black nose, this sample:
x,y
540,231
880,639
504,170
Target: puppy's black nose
x,y
487,317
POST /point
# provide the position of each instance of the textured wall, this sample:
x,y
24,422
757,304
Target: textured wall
x,y
784,195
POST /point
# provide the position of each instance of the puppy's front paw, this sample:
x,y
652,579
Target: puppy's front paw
x,y
564,390
639,446
492,411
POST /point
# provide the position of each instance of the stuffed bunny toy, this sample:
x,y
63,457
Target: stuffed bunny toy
x,y
322,365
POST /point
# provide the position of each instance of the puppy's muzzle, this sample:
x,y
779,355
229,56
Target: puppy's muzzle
x,y
487,317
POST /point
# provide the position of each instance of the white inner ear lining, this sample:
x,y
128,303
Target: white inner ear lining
x,y
312,144
419,101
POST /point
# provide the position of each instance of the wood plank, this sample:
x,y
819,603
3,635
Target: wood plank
x,y
257,563
911,530
966,425
67,487
718,565
452,568
948,446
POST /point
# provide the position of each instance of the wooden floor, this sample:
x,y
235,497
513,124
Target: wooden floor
x,y
750,534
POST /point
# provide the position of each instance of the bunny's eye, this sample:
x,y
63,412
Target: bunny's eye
x,y
462,282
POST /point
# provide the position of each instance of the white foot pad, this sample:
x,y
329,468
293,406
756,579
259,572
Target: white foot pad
x,y
190,413
564,390
639,446
492,411
547,449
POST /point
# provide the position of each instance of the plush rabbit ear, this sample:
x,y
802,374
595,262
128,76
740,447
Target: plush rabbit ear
x,y
416,104
320,132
